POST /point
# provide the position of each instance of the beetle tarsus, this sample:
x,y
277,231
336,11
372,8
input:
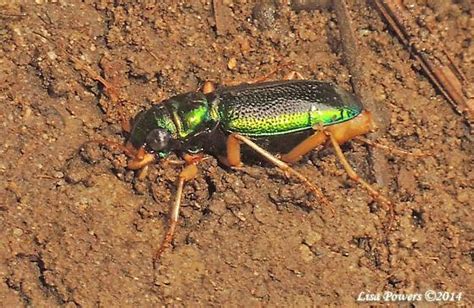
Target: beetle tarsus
x,y
187,174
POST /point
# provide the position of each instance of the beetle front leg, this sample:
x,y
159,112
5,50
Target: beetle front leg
x,y
187,174
232,159
141,160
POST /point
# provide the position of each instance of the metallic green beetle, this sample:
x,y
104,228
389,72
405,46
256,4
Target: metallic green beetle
x,y
289,117
195,121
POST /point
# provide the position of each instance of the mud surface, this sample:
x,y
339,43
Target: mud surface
x,y
79,229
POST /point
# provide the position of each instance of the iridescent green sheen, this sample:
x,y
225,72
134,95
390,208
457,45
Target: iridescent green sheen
x,y
191,120
278,108
190,117
289,123
165,121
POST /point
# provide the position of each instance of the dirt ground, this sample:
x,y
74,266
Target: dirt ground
x,y
79,229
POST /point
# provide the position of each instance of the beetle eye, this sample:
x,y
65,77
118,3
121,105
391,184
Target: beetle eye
x,y
158,139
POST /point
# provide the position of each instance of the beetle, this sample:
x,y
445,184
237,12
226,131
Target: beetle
x,y
288,117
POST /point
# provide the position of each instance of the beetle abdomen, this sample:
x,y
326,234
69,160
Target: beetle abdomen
x,y
282,107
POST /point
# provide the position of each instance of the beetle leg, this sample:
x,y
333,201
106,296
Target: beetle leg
x,y
354,176
110,90
187,174
305,147
126,125
233,152
262,78
272,73
141,159
293,75
193,158
342,132
390,149
234,160
208,87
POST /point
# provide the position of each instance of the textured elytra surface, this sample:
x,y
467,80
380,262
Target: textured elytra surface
x,y
283,107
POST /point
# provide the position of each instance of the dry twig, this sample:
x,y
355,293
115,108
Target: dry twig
x,y
360,84
430,53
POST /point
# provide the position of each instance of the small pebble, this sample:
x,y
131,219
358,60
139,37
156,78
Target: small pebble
x,y
310,5
58,174
52,55
306,253
218,207
264,13
312,238
232,64
17,232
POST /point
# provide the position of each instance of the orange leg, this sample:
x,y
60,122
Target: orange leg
x,y
233,159
111,91
293,75
209,87
126,125
360,125
338,134
233,152
274,72
391,149
342,132
305,147
187,174
354,176
193,158
141,159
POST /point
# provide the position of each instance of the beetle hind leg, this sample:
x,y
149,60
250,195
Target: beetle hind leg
x,y
355,177
336,136
293,75
391,149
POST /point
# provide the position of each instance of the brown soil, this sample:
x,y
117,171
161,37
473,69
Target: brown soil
x,y
79,229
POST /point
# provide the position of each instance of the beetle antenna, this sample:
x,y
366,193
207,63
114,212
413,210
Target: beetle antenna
x,y
112,144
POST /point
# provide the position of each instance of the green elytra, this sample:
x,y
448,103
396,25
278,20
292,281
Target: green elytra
x,y
265,110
